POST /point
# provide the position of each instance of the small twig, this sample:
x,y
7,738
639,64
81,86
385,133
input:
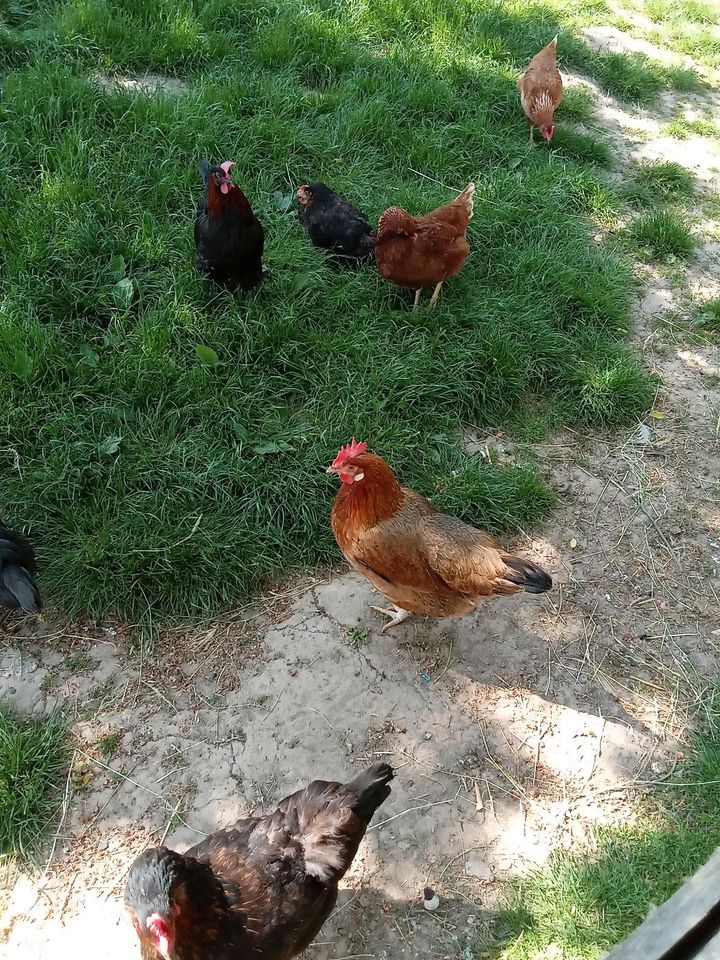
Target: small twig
x,y
172,546
419,173
140,786
161,695
422,806
354,956
447,663
453,859
323,716
346,904
65,803
169,823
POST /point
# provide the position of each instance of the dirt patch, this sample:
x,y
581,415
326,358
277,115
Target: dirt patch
x,y
512,732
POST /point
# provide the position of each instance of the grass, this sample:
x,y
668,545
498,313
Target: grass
x,y
662,234
683,127
685,27
164,444
665,181
708,314
109,744
33,757
584,903
357,638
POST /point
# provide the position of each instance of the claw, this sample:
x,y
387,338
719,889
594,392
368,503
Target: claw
x,y
397,615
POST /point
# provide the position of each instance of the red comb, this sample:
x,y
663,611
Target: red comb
x,y
346,453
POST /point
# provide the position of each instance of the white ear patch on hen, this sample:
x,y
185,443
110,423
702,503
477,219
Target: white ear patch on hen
x,y
358,476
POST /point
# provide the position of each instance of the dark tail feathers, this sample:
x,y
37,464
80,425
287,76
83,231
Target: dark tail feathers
x,y
331,835
527,575
371,788
18,588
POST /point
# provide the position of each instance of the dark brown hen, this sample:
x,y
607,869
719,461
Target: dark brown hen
x,y
262,888
228,236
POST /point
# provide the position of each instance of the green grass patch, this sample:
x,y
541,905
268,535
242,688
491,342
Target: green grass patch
x,y
109,744
683,127
662,234
665,181
585,902
164,443
695,11
33,756
708,314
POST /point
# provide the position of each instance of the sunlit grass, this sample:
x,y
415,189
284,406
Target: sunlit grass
x,y
662,234
585,902
154,482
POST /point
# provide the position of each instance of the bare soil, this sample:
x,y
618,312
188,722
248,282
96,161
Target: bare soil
x,y
512,731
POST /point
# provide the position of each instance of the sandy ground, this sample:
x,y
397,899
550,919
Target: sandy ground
x,y
512,731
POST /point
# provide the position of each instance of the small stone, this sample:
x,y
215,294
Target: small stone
x,y
428,736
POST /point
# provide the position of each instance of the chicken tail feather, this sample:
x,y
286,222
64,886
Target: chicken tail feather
x,y
466,198
18,588
528,575
331,835
370,788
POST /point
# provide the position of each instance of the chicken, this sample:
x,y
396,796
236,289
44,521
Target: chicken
x,y
418,251
541,90
333,223
228,236
18,589
262,888
424,561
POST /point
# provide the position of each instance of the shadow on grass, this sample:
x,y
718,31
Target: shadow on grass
x,y
581,905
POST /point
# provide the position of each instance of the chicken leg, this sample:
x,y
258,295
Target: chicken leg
x,y
397,615
417,298
532,134
436,294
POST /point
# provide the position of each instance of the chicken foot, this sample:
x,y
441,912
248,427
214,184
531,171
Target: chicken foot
x,y
436,294
532,134
397,615
417,298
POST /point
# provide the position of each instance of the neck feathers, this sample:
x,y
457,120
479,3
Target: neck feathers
x,y
220,203
361,505
396,221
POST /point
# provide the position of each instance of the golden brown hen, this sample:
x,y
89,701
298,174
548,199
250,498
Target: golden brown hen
x,y
541,90
262,888
424,561
417,252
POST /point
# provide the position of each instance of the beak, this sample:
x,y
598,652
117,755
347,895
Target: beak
x,y
331,469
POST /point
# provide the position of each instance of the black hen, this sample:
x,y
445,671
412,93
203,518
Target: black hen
x,y
262,888
18,589
228,236
334,224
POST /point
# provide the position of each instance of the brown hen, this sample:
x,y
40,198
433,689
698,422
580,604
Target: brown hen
x,y
424,561
541,90
260,889
418,252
